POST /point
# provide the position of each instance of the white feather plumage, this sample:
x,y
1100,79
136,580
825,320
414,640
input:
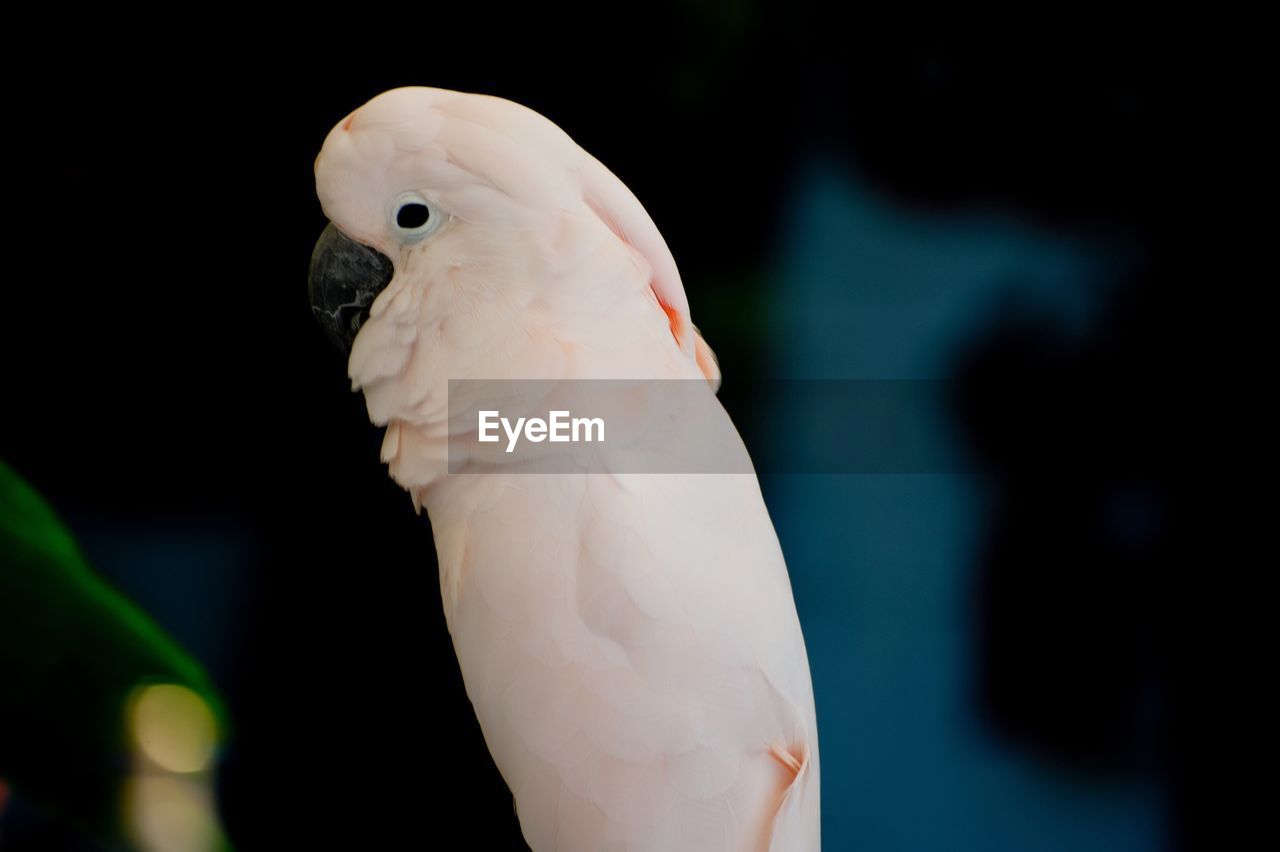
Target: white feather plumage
x,y
629,641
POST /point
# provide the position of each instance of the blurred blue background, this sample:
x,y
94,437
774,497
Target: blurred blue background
x,y
998,655
882,564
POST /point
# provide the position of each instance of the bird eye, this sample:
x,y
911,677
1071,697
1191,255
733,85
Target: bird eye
x,y
413,217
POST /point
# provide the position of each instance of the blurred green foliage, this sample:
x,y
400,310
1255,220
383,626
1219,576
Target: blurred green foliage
x,y
72,649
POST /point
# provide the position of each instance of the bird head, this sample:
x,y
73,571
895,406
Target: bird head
x,y
470,237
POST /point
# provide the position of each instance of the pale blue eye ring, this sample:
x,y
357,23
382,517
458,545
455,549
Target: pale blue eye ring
x,y
413,217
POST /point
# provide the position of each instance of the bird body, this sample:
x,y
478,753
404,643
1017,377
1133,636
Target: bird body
x,y
628,639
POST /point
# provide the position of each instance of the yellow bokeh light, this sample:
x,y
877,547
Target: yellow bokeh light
x,y
174,728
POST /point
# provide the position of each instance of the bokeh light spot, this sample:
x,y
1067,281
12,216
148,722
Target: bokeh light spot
x,y
174,727
170,812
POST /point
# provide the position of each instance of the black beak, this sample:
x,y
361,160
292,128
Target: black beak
x,y
345,279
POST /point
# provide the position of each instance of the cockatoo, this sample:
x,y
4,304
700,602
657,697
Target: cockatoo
x,y
629,641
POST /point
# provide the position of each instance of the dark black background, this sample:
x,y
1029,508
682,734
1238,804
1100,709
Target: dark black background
x,y
161,359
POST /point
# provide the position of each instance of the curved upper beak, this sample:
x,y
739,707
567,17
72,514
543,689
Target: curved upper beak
x,y
344,280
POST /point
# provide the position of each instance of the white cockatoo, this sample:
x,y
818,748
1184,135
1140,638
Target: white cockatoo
x,y
629,640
